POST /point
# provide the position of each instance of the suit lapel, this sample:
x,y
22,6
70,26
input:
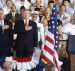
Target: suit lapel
x,y
4,22
29,22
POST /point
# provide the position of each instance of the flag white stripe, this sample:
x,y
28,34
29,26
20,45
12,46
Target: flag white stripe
x,y
56,69
50,35
48,55
51,46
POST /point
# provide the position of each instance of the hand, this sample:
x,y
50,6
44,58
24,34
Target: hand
x,y
7,66
35,48
5,27
28,28
64,18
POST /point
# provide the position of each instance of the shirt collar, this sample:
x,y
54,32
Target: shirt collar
x,y
26,20
1,22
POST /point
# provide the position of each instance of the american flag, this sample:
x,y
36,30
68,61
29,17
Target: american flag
x,y
50,52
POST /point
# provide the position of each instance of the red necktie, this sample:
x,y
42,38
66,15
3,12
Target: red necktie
x,y
25,22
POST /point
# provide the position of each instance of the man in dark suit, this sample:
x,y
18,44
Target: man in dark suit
x,y
13,15
27,39
27,36
5,37
26,43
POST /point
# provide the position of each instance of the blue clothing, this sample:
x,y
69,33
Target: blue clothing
x,y
2,59
39,67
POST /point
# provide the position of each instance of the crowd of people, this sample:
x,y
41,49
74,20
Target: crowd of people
x,y
23,29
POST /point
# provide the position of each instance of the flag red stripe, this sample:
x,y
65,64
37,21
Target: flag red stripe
x,y
46,59
56,63
48,50
50,40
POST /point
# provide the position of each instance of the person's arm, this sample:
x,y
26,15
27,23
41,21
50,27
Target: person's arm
x,y
65,19
4,27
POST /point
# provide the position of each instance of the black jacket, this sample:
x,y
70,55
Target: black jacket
x,y
10,17
6,39
26,40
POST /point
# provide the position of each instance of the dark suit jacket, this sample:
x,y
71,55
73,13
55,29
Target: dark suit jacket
x,y
16,18
10,17
5,40
26,40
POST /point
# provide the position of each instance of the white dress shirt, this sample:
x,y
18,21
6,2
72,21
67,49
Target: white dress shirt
x,y
1,5
70,11
26,21
69,29
72,1
67,20
1,22
6,10
44,3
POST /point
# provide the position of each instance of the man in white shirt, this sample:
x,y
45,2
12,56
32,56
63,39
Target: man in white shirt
x,y
69,9
69,28
64,17
44,3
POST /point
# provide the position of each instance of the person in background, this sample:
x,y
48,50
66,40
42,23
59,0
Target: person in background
x,y
38,3
44,3
21,9
40,31
70,27
46,15
63,45
24,3
5,37
7,7
64,17
33,1
38,12
45,24
51,4
13,15
69,9
63,55
2,3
